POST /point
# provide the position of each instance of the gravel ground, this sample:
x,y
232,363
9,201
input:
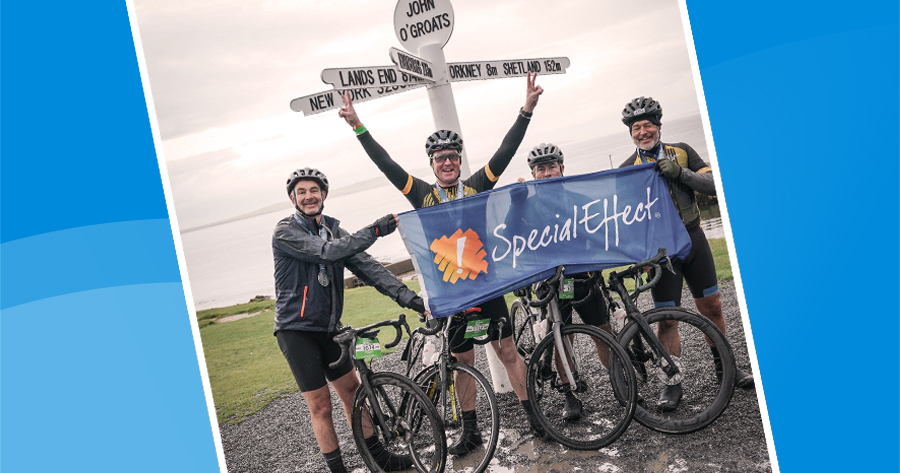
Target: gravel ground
x,y
279,438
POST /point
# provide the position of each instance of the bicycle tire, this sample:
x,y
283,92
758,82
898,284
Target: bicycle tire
x,y
523,329
606,410
705,395
409,414
487,412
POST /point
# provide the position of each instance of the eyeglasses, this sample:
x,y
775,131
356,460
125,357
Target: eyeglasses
x,y
441,159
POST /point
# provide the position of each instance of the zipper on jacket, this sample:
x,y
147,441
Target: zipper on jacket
x,y
303,307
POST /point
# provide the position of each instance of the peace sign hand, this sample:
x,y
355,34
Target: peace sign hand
x,y
347,112
532,94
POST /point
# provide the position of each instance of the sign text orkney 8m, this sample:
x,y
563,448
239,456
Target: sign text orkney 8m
x,y
460,71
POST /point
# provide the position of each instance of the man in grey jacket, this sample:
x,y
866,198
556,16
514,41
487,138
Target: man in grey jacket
x,y
311,251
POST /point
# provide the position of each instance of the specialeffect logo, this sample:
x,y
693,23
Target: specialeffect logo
x,y
460,256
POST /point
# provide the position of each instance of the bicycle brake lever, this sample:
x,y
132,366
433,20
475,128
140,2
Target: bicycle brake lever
x,y
669,265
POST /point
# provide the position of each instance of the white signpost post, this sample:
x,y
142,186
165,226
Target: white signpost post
x,y
423,27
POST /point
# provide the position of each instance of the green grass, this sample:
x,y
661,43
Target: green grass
x,y
205,317
247,370
720,256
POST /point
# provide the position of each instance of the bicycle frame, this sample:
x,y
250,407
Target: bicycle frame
x,y
347,339
617,283
446,357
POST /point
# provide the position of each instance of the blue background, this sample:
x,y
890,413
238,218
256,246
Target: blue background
x,y
97,361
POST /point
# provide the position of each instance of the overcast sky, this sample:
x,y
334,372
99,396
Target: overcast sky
x,y
222,75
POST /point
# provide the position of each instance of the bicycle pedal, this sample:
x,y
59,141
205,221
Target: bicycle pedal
x,y
641,371
580,387
548,373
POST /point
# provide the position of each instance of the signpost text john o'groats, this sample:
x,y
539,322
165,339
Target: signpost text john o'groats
x,y
423,27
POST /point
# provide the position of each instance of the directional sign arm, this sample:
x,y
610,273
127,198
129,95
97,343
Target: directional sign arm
x,y
375,76
412,65
478,70
331,99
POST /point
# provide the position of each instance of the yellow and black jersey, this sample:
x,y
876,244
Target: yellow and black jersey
x,y
420,193
682,193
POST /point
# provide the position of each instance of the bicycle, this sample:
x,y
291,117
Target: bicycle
x,y
704,400
390,405
593,371
463,405
703,364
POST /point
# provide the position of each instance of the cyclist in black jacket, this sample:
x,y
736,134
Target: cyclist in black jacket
x,y
311,251
443,148
685,173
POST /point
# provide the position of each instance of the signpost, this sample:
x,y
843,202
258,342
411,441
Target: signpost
x,y
423,27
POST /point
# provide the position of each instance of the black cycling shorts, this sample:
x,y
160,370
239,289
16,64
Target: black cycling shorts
x,y
698,269
308,354
592,312
494,309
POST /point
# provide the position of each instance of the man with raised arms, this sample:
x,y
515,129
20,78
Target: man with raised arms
x,y
311,251
443,148
685,173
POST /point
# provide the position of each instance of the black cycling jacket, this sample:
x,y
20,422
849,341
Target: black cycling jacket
x,y
301,303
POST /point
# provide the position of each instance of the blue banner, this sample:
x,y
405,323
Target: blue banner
x,y
474,249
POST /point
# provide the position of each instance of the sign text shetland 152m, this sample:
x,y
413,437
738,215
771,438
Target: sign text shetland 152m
x,y
473,249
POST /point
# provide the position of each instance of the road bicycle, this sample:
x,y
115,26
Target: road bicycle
x,y
463,397
581,382
700,358
390,405
703,363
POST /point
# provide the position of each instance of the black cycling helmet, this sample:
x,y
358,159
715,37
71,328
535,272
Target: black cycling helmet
x,y
543,153
642,108
307,173
443,139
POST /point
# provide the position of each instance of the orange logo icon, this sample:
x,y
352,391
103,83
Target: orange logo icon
x,y
460,256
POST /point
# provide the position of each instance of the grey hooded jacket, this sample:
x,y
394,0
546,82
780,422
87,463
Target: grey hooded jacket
x,y
301,303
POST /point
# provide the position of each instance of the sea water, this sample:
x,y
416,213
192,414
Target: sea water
x,y
232,262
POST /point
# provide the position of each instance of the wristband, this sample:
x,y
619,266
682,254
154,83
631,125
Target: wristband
x,y
525,114
360,129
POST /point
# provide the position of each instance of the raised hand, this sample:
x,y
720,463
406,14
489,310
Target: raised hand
x,y
347,112
532,93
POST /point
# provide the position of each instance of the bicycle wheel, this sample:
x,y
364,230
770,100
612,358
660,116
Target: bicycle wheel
x,y
481,396
523,331
705,393
607,404
412,425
